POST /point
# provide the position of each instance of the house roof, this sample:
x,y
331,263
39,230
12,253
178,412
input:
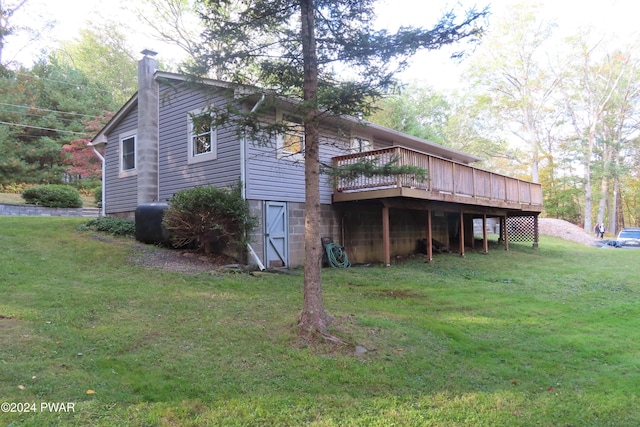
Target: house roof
x,y
382,133
378,132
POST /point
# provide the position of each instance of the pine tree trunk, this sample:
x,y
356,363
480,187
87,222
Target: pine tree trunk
x,y
313,318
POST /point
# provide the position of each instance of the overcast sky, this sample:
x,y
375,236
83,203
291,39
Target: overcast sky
x,y
432,67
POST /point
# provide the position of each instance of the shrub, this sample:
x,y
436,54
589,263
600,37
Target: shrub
x,y
211,218
87,185
13,188
111,225
53,196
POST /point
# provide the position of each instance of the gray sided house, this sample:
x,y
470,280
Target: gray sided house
x,y
162,141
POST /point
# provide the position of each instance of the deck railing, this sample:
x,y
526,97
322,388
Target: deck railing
x,y
443,176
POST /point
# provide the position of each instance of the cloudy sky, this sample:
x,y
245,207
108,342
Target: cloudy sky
x,y
436,68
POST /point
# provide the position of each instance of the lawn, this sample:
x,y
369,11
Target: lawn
x,y
513,338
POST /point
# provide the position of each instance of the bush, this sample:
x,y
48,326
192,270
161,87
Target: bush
x,y
13,188
111,225
87,185
53,196
211,218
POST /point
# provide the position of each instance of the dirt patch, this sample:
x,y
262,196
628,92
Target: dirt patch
x,y
398,294
566,230
176,260
182,261
10,330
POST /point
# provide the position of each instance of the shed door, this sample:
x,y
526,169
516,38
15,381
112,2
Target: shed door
x,y
276,240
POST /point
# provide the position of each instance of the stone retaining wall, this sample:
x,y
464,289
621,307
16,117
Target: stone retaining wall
x,y
32,210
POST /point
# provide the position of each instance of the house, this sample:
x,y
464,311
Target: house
x,y
162,141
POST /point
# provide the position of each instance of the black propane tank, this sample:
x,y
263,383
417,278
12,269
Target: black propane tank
x,y
149,227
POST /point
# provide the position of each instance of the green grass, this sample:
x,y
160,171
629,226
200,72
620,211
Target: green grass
x,y
515,338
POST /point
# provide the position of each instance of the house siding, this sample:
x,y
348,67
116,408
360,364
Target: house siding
x,y
175,171
280,179
121,194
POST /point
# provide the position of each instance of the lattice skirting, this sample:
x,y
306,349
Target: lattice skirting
x,y
522,229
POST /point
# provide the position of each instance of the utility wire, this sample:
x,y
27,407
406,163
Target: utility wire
x,y
45,109
39,115
42,128
78,85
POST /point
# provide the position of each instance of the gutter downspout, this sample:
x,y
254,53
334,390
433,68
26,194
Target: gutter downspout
x,y
103,196
243,177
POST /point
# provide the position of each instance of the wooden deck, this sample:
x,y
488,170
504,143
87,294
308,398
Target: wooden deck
x,y
447,181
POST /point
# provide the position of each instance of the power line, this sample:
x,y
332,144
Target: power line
x,y
45,109
77,85
42,128
39,115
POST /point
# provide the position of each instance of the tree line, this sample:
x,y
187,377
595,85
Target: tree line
x,y
49,110
563,112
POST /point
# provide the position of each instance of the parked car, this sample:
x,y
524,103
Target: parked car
x,y
629,237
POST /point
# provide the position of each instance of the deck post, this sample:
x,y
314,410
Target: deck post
x,y
536,233
505,230
461,233
429,237
485,242
385,235
472,238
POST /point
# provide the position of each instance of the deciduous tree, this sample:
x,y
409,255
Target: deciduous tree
x,y
103,53
172,21
417,110
593,85
513,70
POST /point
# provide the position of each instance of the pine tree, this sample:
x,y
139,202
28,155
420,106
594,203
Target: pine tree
x,y
301,49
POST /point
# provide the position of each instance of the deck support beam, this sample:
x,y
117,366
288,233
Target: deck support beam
x,y
505,232
485,241
461,233
386,240
429,237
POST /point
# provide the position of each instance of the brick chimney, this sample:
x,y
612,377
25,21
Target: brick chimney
x,y
147,137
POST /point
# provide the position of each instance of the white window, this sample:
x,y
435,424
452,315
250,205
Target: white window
x,y
128,154
360,144
202,136
291,142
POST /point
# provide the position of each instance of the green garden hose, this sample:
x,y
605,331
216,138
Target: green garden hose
x,y
337,256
